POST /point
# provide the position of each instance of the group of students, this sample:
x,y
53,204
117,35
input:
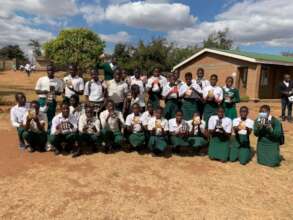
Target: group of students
x,y
197,115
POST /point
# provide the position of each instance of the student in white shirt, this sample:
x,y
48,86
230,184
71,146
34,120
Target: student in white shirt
x,y
132,97
64,131
242,126
74,84
117,90
112,122
76,108
89,129
220,129
213,97
35,125
201,83
147,115
136,80
154,86
158,129
135,127
47,88
17,113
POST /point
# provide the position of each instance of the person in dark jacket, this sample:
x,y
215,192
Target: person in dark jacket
x,y
286,90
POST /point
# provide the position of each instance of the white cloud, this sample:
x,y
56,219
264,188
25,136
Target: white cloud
x,y
119,37
92,13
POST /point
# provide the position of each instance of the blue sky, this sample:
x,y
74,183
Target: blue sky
x,y
254,25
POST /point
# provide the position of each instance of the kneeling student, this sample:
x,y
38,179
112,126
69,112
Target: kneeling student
x,y
242,126
89,129
135,127
35,124
63,132
158,129
220,129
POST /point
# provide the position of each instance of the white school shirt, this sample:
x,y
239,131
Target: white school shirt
x,y
113,123
187,90
161,79
17,113
215,90
33,125
248,124
226,123
162,122
59,119
76,112
175,128
139,82
135,121
117,90
204,83
44,83
76,83
145,117
94,123
95,92
202,127
167,89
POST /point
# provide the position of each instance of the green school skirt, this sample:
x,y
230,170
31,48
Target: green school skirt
x,y
57,139
240,149
209,110
89,138
197,141
179,141
268,152
189,107
171,107
115,137
230,110
157,143
137,139
154,98
219,148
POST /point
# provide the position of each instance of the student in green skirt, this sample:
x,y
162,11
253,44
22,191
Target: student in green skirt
x,y
220,129
135,127
213,97
240,144
231,97
158,129
268,129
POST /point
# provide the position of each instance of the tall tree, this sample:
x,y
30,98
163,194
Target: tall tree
x,y
13,52
219,40
36,46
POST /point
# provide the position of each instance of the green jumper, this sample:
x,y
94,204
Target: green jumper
x,y
171,107
197,141
178,141
230,108
219,147
240,149
189,107
108,72
137,139
57,139
154,98
157,143
36,140
91,139
115,137
210,109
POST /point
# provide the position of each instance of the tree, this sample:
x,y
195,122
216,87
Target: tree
x,y
13,52
219,40
36,46
78,46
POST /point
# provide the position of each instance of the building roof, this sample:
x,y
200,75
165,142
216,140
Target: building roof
x,y
246,56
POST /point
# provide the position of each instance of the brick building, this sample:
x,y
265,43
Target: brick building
x,y
256,75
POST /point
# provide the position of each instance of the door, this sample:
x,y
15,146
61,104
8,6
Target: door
x,y
242,80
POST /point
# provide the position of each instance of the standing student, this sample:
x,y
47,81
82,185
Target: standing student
x,y
154,86
35,124
268,129
136,80
171,95
135,127
131,98
47,88
202,83
124,76
117,90
74,84
190,93
76,109
64,131
89,130
231,98
286,90
220,129
17,113
158,129
242,126
109,69
213,96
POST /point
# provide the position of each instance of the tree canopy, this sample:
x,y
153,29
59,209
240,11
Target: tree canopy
x,y
36,46
219,40
13,52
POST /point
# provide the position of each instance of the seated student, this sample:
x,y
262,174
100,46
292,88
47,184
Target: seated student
x,y
213,96
135,127
179,131
231,97
268,129
112,122
220,129
75,107
137,80
171,95
197,132
131,98
17,113
63,133
158,129
147,115
35,124
89,129
242,126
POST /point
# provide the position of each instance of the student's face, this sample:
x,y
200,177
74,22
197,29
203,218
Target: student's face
x,y
21,99
156,72
95,76
117,76
158,113
213,81
114,61
150,107
36,107
136,109
220,113
65,111
287,78
179,116
73,101
200,74
110,106
124,74
172,79
188,80
243,113
71,71
135,90
264,110
176,74
89,112
229,82
50,72
137,74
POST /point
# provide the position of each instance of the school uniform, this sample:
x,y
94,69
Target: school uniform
x,y
117,92
210,107
76,111
137,136
46,84
76,83
201,85
111,128
155,86
92,134
139,82
286,90
268,142
230,99
16,117
109,69
34,137
240,147
158,140
146,117
196,138
175,129
219,146
172,103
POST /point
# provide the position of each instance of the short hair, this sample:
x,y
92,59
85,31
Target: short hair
x,y
200,69
35,102
214,76
244,107
188,74
220,108
229,77
50,66
19,94
110,101
179,111
135,87
135,104
75,97
160,108
64,102
267,107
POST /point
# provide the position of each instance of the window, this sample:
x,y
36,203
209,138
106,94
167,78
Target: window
x,y
243,72
264,79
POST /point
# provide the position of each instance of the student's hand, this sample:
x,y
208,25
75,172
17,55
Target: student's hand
x,y
71,125
85,128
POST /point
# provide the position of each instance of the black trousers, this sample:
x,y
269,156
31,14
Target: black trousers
x,y
286,105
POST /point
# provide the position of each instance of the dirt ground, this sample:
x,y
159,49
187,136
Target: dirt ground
x,y
133,186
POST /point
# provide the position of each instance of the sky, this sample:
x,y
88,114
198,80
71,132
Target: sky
x,y
264,26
